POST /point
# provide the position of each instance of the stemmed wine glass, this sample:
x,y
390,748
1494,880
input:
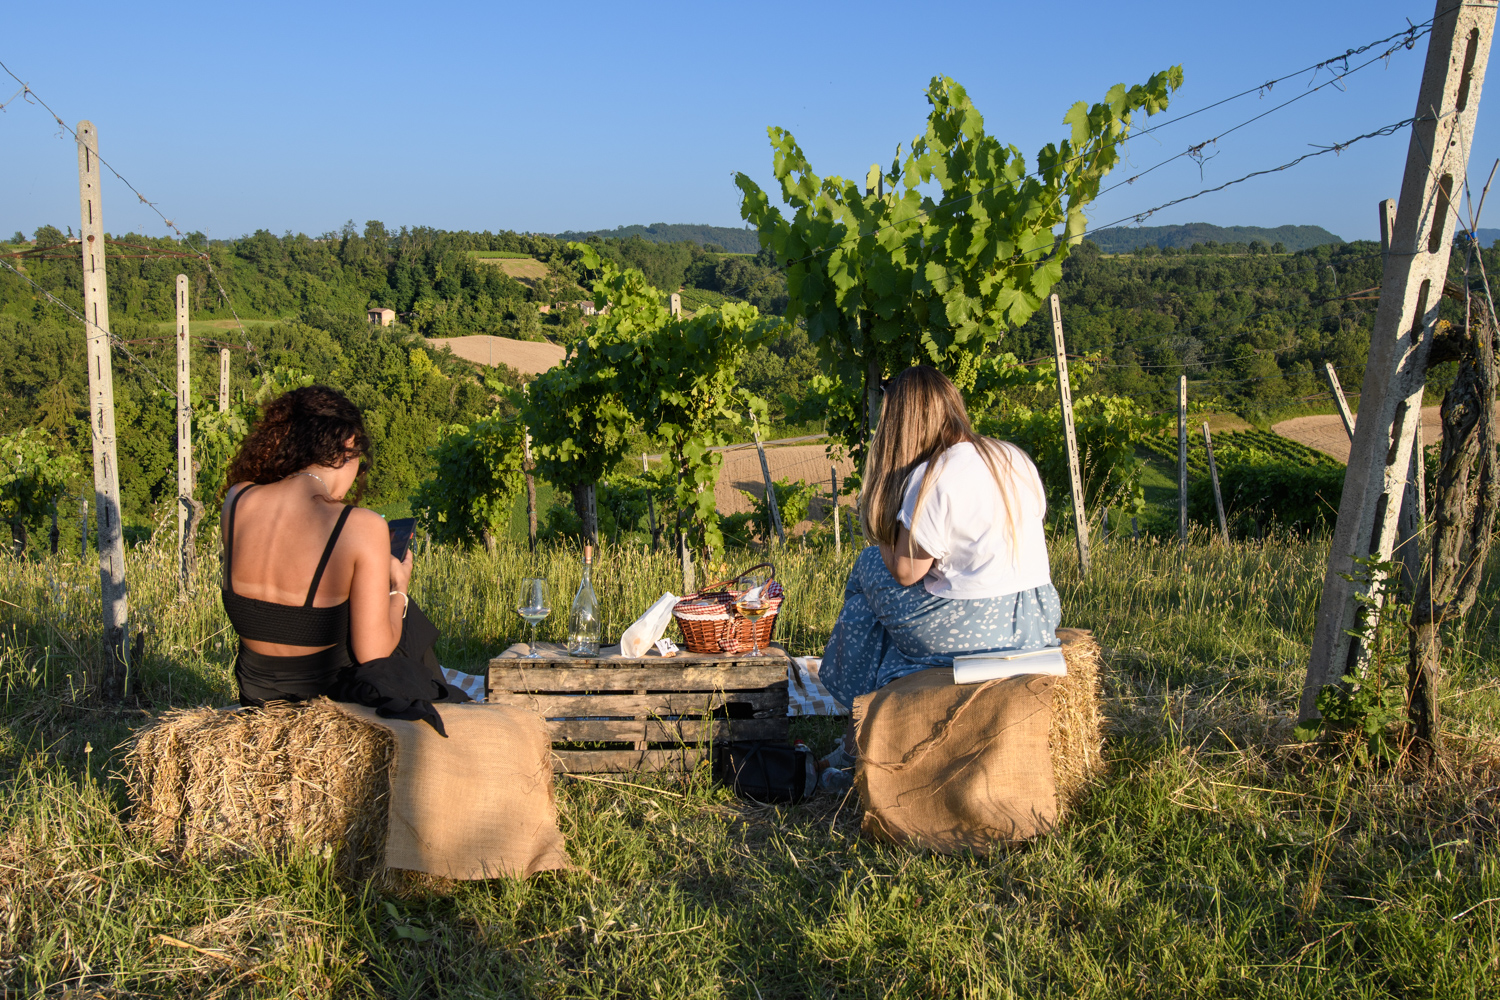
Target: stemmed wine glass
x,y
753,608
532,606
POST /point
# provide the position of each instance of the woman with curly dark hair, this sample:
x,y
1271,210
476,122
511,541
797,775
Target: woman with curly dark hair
x,y
309,583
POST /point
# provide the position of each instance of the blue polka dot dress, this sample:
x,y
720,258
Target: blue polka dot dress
x,y
886,631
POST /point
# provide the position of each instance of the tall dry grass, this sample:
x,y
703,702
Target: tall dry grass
x,y
1214,858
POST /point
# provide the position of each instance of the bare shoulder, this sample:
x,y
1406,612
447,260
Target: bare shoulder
x,y
367,528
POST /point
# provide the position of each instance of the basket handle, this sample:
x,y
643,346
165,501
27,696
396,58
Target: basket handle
x,y
710,588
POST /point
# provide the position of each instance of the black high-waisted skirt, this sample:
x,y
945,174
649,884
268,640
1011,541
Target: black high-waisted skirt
x,y
403,685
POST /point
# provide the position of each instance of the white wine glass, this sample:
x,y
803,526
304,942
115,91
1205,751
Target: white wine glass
x,y
532,606
753,609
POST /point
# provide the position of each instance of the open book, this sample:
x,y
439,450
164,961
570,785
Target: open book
x,y
977,667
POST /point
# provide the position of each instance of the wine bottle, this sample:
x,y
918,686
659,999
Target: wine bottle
x,y
584,623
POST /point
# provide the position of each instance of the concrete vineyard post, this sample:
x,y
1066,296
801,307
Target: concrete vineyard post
x,y
113,591
1414,498
530,488
1415,272
1345,414
83,526
1182,461
765,471
223,379
1075,478
1213,475
838,542
651,509
184,436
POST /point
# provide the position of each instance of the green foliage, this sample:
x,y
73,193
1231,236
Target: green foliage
x,y
887,277
1363,712
792,501
33,476
1020,403
1258,494
640,367
477,475
216,438
1265,479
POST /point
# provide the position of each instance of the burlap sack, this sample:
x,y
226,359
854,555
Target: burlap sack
x,y
476,805
951,767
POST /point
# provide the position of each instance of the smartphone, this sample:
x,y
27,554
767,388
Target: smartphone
x,y
401,530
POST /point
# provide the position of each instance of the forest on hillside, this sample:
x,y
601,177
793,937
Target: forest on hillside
x,y
1250,328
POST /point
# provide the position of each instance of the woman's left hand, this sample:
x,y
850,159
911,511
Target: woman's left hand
x,y
401,573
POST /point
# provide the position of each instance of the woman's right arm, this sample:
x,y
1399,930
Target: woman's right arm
x,y
375,614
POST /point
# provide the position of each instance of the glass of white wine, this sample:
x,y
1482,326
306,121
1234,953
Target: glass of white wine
x,y
532,606
752,606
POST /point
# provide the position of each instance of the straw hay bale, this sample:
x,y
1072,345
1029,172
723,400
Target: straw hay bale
x,y
1076,735
208,782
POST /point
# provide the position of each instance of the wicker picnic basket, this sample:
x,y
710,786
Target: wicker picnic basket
x,y
710,624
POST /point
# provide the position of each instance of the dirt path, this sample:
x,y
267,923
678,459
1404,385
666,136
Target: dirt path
x,y
1326,432
741,471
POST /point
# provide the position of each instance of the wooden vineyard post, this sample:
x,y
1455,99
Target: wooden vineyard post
x,y
114,595
1415,272
651,509
184,438
838,542
1345,414
1213,475
83,526
223,379
1075,478
765,471
1182,461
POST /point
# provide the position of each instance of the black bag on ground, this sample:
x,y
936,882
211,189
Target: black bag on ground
x,y
765,770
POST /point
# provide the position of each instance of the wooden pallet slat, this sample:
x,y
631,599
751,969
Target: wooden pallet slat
x,y
663,730
625,761
553,706
647,703
696,678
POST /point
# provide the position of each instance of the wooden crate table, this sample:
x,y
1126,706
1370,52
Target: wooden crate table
x,y
646,713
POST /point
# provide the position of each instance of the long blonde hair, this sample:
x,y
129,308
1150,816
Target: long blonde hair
x,y
923,416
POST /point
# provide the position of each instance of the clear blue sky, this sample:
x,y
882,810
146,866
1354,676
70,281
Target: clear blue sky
x,y
547,117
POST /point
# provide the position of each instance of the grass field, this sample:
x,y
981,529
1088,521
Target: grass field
x,y
1216,858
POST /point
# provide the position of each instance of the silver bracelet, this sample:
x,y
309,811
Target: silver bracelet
x,y
405,602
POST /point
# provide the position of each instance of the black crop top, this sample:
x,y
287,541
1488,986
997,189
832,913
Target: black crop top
x,y
264,621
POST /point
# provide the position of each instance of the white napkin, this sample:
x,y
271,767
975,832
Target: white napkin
x,y
649,627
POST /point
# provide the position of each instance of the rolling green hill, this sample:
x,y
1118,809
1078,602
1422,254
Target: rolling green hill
x,y
1125,239
732,240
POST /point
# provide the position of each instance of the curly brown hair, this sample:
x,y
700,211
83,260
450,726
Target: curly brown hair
x,y
308,426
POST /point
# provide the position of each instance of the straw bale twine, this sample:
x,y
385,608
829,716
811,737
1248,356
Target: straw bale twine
x,y
1076,735
209,782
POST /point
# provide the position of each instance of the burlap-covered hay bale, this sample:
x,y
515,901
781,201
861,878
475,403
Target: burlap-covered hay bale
x,y
1076,735
208,782
965,767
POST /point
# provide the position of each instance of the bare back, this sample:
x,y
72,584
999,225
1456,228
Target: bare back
x,y
281,531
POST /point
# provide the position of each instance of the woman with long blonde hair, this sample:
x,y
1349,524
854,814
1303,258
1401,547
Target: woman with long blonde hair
x,y
960,560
